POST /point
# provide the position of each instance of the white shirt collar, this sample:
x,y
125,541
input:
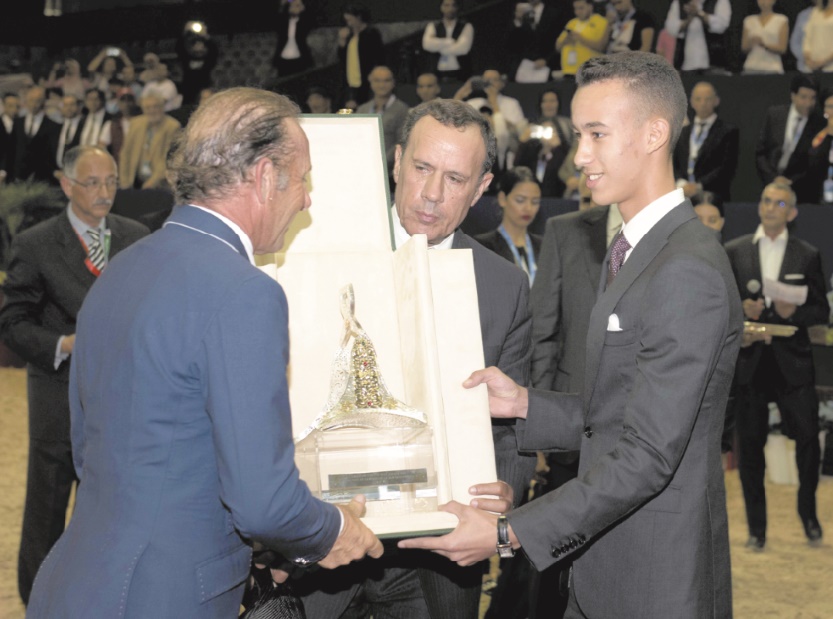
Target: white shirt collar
x,y
244,238
641,223
707,122
401,236
760,234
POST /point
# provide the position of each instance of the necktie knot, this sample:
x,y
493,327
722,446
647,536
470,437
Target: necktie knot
x,y
618,250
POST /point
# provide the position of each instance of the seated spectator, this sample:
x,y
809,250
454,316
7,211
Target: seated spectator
x,y
427,87
700,30
631,29
359,50
163,87
584,37
319,100
706,155
105,67
545,145
197,53
520,199
820,157
292,52
448,41
764,40
797,36
531,37
781,155
384,103
114,88
94,118
709,209
128,76
818,38
506,115
54,103
115,130
67,77
142,160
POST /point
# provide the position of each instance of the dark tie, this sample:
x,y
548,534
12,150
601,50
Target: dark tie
x,y
617,256
96,250
700,127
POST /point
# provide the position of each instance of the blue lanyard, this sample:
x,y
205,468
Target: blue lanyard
x,y
530,268
697,142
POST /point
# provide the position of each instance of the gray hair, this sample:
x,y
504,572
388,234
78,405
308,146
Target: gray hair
x,y
649,78
792,199
74,154
225,137
458,115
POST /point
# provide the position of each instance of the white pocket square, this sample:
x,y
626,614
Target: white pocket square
x,y
790,276
613,323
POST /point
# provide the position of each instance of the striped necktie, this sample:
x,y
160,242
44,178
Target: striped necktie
x,y
96,250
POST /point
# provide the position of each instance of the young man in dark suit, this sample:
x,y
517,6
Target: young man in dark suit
x,y
778,369
53,266
36,140
786,136
645,519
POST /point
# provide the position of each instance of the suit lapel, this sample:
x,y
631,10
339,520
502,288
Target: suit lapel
x,y
596,246
643,254
790,263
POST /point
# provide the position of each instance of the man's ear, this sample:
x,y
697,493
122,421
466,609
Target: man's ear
x,y
659,134
264,179
484,185
397,158
66,186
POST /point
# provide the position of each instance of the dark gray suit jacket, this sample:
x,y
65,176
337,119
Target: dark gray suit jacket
x,y
563,295
646,517
47,282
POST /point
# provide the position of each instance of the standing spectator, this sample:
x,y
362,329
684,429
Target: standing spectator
x,y
197,54
67,76
777,369
631,29
786,136
163,87
764,39
36,140
144,153
53,266
95,117
584,37
709,209
706,155
128,76
359,50
699,27
520,199
152,64
292,52
797,36
385,104
820,157
530,40
818,38
427,87
449,41
70,131
105,67
115,130
544,146
11,106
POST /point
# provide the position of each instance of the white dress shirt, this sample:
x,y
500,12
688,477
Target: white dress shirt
x,y
641,223
92,128
771,254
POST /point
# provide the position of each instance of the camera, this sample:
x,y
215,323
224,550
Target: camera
x,y
113,51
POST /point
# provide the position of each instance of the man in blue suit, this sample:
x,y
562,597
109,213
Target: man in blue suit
x,y
181,430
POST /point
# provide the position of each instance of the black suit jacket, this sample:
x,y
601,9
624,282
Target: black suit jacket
x,y
494,241
717,159
563,296
46,284
528,152
75,141
303,27
770,146
371,55
801,266
35,156
526,42
7,147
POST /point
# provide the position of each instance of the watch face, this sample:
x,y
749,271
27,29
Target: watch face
x,y
505,551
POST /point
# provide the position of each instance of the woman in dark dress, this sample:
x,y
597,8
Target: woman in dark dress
x,y
520,199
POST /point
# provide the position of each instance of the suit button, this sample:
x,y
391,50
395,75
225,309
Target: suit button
x,y
588,432
555,552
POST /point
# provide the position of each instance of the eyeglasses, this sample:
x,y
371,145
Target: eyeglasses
x,y
770,202
95,184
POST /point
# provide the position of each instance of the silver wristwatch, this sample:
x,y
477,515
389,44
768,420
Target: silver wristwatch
x,y
504,546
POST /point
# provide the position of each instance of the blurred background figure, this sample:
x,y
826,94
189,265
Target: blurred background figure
x,y
319,100
448,42
709,209
292,52
143,157
427,87
818,38
359,50
520,199
631,29
764,39
197,55
545,145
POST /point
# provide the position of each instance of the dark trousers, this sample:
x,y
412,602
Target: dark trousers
x,y
401,585
799,407
48,485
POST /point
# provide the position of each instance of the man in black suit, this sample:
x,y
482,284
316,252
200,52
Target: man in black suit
x,y
70,135
441,170
36,140
786,137
706,156
533,31
11,106
53,266
778,369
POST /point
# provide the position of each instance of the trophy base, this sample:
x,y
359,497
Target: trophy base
x,y
392,467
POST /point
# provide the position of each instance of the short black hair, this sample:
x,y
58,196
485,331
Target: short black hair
x,y
804,81
707,197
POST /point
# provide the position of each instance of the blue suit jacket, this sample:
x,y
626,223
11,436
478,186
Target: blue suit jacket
x,y
181,434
